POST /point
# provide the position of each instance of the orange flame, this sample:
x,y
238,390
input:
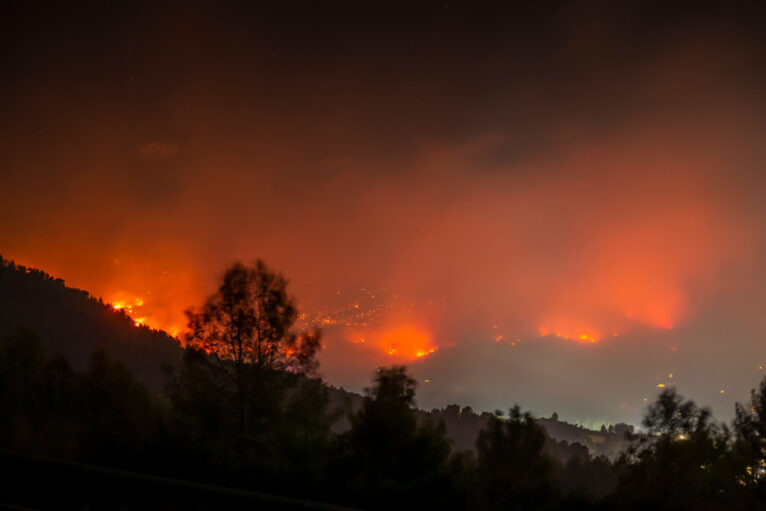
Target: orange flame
x,y
406,341
132,308
568,330
584,335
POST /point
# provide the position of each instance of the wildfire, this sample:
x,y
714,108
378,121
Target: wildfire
x,y
406,342
127,305
423,353
574,330
579,335
132,308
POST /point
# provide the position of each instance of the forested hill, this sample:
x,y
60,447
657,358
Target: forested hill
x,y
74,323
463,425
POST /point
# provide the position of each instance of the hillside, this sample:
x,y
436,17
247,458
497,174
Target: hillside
x,y
74,323
463,426
609,442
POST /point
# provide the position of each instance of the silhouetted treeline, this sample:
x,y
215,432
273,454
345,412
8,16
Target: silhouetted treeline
x,y
243,408
464,425
391,457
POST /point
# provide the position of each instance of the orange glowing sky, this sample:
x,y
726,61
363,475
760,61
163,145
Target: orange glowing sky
x,y
556,207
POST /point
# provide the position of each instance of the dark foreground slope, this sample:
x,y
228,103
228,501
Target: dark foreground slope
x,y
75,324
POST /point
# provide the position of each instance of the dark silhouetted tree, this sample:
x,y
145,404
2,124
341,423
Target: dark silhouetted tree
x,y
587,479
245,395
387,455
245,327
21,366
122,417
513,469
681,461
750,445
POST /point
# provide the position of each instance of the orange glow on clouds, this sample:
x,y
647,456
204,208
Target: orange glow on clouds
x,y
585,254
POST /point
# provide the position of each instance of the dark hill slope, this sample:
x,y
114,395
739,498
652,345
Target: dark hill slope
x,y
75,324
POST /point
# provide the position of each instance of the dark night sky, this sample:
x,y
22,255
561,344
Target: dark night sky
x,y
495,174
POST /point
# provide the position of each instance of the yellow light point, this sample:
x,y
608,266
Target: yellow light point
x,y
722,391
760,368
670,375
139,321
139,302
427,380
660,385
